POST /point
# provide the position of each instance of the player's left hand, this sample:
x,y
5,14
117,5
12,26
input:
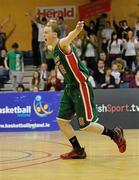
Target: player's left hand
x,y
80,25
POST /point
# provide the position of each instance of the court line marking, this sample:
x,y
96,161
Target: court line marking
x,y
39,163
28,154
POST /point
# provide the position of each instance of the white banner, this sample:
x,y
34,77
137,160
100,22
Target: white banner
x,y
68,12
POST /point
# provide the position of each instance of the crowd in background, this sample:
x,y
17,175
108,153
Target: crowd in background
x,y
109,51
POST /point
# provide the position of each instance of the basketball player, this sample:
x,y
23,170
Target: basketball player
x,y
78,95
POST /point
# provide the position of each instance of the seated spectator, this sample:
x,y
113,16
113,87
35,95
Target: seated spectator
x,y
116,74
44,73
98,73
90,78
78,41
36,81
35,89
126,78
135,82
107,81
60,76
121,64
103,56
53,83
20,88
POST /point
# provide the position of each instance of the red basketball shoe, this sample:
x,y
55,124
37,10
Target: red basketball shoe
x,y
75,154
119,139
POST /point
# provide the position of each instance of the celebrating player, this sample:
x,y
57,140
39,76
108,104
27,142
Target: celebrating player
x,y
78,94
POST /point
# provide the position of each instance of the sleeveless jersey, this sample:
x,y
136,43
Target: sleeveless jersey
x,y
71,67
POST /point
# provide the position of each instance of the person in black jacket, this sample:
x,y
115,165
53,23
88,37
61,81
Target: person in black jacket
x,y
91,28
107,80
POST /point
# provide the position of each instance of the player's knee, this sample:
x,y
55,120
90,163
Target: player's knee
x,y
62,123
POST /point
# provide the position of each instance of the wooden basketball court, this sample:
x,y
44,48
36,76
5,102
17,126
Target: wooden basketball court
x,y
35,156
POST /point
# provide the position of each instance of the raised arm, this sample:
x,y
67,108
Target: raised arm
x,y
11,32
65,42
31,17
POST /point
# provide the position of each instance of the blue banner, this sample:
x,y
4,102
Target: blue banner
x,y
29,111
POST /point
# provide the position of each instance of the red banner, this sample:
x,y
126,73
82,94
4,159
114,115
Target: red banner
x,y
89,10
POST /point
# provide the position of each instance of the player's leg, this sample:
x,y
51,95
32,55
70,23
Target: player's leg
x,y
85,104
115,134
66,111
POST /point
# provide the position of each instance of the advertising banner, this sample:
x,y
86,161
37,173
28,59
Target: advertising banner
x,y
68,12
37,111
29,111
94,8
117,107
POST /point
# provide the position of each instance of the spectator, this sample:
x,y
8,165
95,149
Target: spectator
x,y
4,73
52,21
41,24
91,28
62,27
107,81
126,78
60,76
137,64
136,29
35,89
4,37
114,48
116,74
35,43
121,64
53,83
78,43
125,29
118,28
14,63
130,49
101,21
90,51
106,35
36,81
44,73
135,82
99,72
90,77
50,61
20,88
103,57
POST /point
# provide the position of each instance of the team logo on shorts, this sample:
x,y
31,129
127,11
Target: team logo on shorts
x,y
81,121
41,109
57,60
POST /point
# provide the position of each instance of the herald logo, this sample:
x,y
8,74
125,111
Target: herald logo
x,y
68,12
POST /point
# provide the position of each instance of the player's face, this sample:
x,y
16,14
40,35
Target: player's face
x,y
48,35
